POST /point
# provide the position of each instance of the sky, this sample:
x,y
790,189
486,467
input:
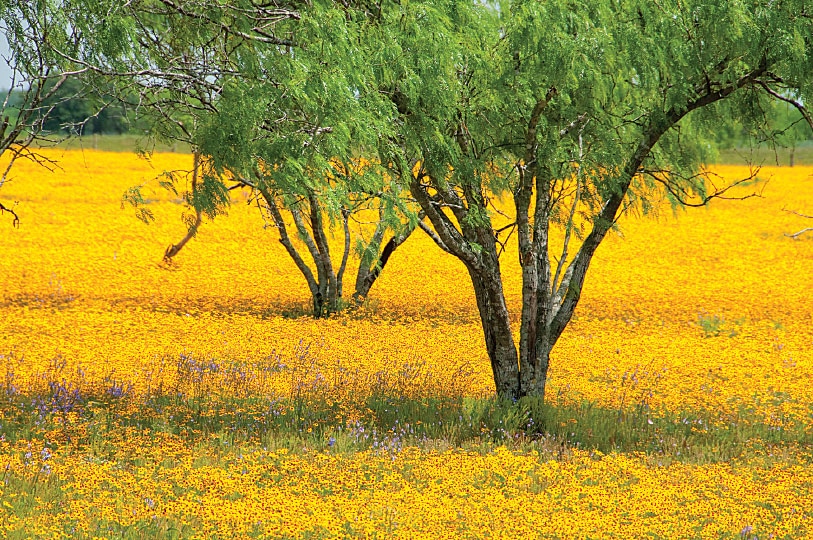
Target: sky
x,y
5,71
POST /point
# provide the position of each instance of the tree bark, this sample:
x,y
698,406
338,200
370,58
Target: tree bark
x,y
285,240
323,259
496,322
345,253
368,275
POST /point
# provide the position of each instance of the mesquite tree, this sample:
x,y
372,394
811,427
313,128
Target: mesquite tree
x,y
580,112
294,142
577,111
270,96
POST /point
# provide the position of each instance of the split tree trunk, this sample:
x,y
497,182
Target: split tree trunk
x,y
373,262
327,285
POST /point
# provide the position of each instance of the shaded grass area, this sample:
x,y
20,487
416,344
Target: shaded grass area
x,y
388,423
128,142
767,156
221,428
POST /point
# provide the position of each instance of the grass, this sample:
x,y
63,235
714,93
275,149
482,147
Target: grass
x,y
766,156
128,142
389,422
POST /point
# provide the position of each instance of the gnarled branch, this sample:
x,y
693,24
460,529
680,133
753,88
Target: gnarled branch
x,y
173,249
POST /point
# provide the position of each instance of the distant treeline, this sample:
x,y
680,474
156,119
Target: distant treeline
x,y
82,112
76,110
783,124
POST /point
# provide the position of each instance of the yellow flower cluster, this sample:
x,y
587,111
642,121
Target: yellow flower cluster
x,y
706,310
416,494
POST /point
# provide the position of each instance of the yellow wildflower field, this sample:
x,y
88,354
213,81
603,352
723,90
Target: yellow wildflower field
x,y
703,311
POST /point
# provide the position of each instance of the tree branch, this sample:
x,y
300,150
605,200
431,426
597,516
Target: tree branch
x,y
797,104
261,35
173,249
345,254
681,194
798,234
15,222
285,240
568,294
433,235
448,233
570,218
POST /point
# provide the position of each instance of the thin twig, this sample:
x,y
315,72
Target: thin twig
x,y
798,234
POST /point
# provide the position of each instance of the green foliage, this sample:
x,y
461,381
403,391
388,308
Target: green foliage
x,y
783,126
134,198
77,110
711,325
716,325
451,85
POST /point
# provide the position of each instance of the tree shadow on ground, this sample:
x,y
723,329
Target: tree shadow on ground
x,y
265,308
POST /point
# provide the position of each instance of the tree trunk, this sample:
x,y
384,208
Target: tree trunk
x,y
373,263
370,269
535,369
367,275
345,253
323,286
502,352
